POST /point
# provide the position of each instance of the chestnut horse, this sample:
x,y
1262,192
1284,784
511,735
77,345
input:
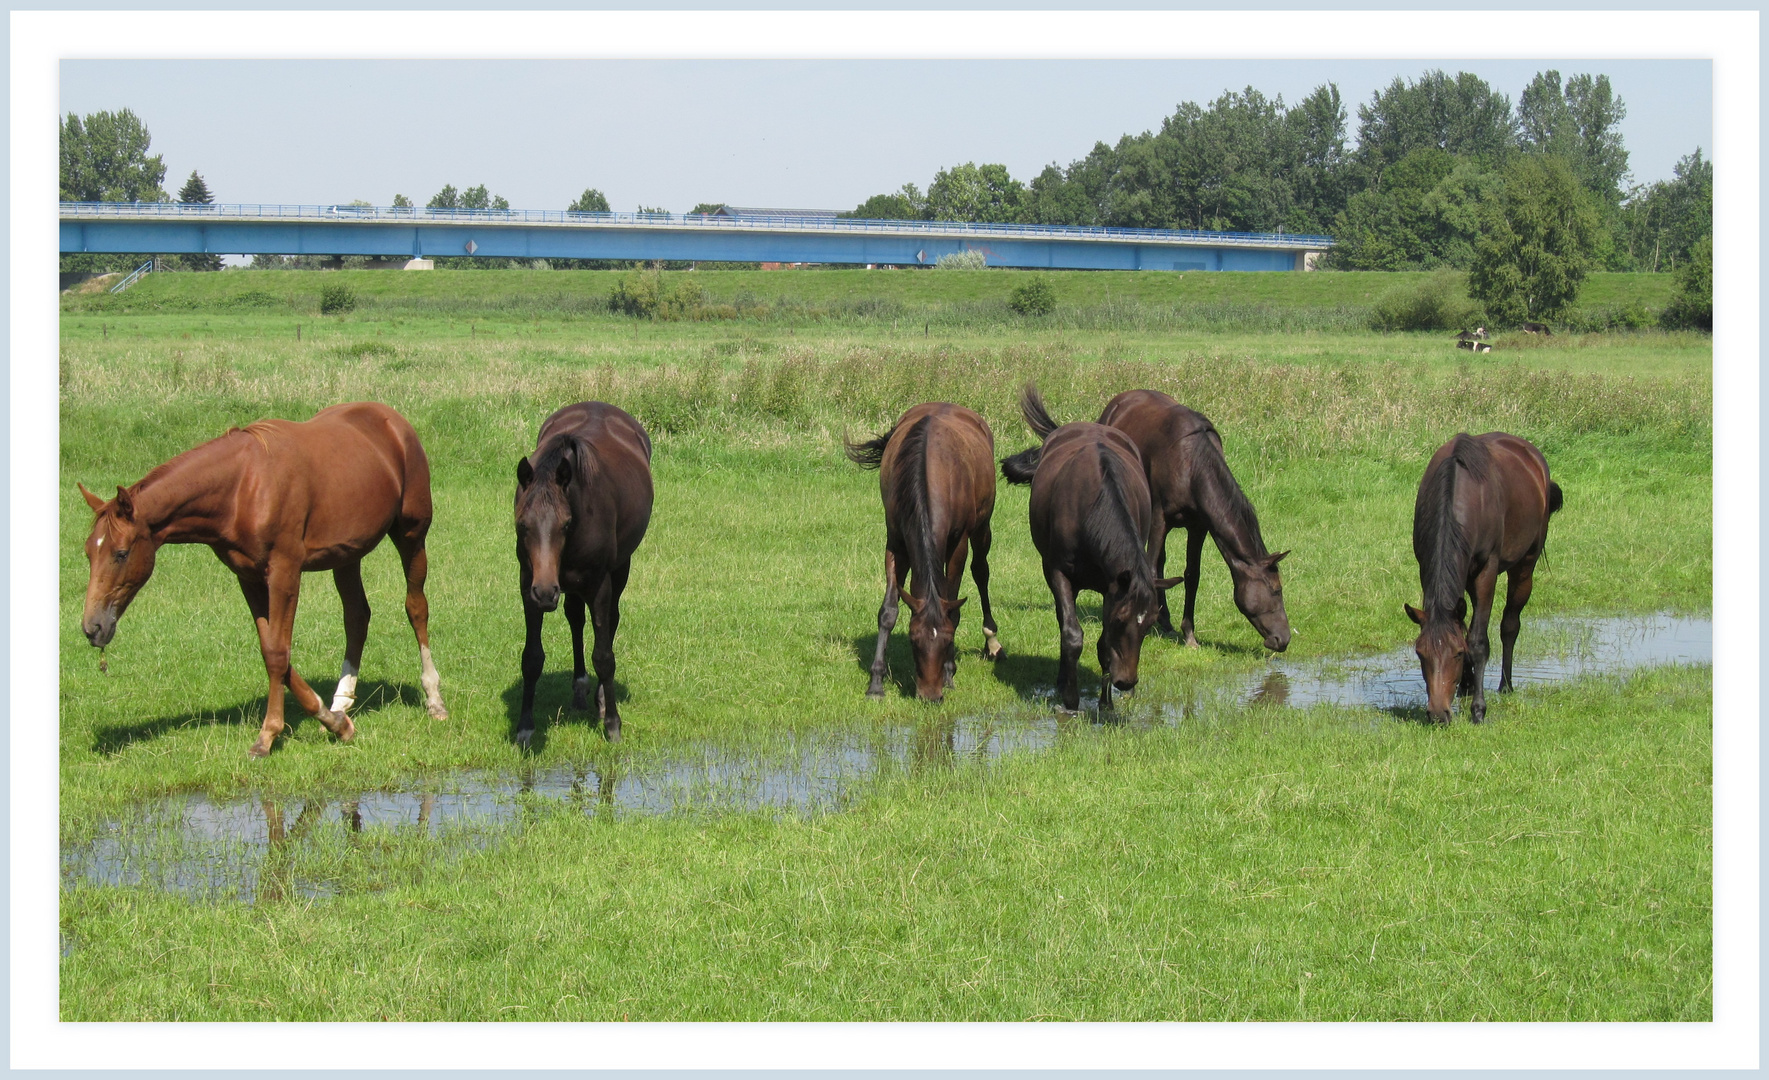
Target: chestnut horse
x,y
1482,511
583,502
275,499
936,474
1091,514
1191,488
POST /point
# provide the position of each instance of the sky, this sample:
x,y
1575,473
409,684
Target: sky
x,y
671,134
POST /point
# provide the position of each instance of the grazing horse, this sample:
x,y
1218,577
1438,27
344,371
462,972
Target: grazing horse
x,y
1091,516
1482,510
583,501
1538,328
936,474
1191,488
272,500
1479,334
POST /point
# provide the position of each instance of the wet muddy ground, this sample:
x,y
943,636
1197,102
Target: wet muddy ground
x,y
264,849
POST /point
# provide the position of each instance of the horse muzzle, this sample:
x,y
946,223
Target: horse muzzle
x,y
1278,642
545,597
100,627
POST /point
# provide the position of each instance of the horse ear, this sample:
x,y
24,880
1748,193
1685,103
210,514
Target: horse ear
x,y
1415,614
125,505
952,606
1123,582
1461,609
1274,560
915,603
524,473
92,500
1167,582
562,474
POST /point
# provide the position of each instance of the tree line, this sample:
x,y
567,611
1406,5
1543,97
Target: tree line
x,y
1407,194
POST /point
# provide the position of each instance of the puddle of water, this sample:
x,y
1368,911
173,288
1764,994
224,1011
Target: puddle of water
x,y
262,849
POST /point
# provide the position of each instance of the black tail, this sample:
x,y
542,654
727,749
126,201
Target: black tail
x,y
869,454
1019,468
1555,499
1037,418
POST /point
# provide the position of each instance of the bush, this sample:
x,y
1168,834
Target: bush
x,y
1035,296
646,294
1437,303
1693,305
962,260
336,299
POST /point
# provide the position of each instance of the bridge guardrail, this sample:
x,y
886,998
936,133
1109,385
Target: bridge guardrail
x,y
419,214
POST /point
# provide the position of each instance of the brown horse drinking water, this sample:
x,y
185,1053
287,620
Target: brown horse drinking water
x,y
275,499
583,502
937,477
1482,510
1091,515
1191,488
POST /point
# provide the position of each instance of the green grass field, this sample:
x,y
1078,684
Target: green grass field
x,y
1554,864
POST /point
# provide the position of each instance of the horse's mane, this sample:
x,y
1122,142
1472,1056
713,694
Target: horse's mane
x,y
1436,530
909,492
1107,528
1242,518
561,447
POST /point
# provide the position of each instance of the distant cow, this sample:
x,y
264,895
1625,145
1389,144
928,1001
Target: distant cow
x,y
1479,334
1537,328
1474,346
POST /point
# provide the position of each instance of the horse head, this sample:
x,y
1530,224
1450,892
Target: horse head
x,y
543,517
932,642
1128,614
1442,648
1259,593
120,554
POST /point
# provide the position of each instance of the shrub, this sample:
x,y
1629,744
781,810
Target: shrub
x,y
962,260
1693,305
1437,303
646,294
1034,296
336,299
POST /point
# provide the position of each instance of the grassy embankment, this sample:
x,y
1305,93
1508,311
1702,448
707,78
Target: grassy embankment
x,y
751,610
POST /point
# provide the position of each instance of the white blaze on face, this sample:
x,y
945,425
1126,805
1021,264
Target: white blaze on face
x,y
345,696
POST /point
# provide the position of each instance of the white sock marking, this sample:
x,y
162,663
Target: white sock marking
x,y
345,696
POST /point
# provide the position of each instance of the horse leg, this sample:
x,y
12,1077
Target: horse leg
x,y
1517,589
979,572
1068,623
580,677
534,661
273,604
955,581
605,617
1158,560
887,621
1194,549
410,542
348,579
1479,646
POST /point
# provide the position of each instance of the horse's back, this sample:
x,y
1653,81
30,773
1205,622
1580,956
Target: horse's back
x,y
958,451
616,471
1069,471
1161,428
1509,519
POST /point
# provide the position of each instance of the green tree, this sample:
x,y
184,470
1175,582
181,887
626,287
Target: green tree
x,y
1693,304
196,192
401,200
1462,115
905,204
104,159
1424,214
972,192
590,202
446,199
707,208
1537,242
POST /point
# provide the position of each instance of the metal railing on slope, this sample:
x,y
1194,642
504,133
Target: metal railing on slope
x,y
145,268
419,214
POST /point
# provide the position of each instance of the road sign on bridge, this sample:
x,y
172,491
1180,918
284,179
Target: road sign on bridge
x,y
418,232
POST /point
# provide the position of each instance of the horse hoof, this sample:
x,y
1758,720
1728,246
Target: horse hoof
x,y
612,734
345,729
523,738
437,712
259,749
875,695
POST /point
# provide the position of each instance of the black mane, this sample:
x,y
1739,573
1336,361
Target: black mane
x,y
1108,530
910,493
1437,531
1242,523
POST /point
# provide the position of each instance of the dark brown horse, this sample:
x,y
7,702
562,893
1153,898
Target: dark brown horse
x,y
1191,488
936,473
272,500
583,501
1482,511
1091,515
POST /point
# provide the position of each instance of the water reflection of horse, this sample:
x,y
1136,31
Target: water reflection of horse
x,y
273,500
1482,510
936,474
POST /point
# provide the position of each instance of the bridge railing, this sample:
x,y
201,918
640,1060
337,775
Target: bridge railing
x,y
769,223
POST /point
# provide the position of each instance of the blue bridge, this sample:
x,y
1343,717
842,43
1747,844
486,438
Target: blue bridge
x,y
403,232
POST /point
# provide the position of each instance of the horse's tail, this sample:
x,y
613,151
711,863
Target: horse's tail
x,y
1019,468
1555,499
868,454
1037,417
